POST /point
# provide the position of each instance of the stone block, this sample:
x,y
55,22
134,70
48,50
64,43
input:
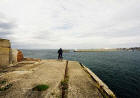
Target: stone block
x,y
4,59
5,43
4,56
14,55
4,51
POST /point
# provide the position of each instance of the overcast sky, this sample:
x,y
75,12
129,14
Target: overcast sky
x,y
49,24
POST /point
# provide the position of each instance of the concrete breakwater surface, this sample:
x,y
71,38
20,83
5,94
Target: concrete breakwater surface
x,y
119,70
26,74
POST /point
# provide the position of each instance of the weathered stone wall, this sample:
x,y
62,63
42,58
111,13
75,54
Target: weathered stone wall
x,y
14,56
5,50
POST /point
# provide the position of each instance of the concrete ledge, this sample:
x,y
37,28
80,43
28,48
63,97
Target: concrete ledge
x,y
101,85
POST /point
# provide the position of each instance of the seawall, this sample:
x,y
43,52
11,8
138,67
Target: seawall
x,y
104,89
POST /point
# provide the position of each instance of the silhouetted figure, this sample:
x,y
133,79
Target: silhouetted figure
x,y
60,53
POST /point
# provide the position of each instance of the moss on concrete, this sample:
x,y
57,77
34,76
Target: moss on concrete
x,y
40,87
5,87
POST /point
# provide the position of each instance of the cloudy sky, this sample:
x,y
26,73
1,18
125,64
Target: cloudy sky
x,y
49,24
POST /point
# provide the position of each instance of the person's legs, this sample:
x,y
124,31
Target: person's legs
x,y
59,56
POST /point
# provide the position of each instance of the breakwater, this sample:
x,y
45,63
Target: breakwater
x,y
96,50
120,70
26,74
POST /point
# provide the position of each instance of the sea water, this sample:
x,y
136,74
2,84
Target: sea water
x,y
119,70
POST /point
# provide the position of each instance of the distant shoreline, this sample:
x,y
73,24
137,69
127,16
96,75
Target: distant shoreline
x,y
96,50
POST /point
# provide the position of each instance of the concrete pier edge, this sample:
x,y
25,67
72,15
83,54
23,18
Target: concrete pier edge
x,y
107,93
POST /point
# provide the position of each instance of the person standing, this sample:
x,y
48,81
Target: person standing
x,y
60,54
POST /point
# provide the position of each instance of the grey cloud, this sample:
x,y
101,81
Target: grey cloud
x,y
113,32
43,35
29,45
4,25
4,34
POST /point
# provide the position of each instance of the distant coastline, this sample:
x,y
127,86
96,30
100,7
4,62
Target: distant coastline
x,y
108,50
95,50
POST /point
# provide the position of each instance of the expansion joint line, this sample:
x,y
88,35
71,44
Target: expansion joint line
x,y
64,83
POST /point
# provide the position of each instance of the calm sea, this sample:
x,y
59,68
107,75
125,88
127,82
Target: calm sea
x,y
119,70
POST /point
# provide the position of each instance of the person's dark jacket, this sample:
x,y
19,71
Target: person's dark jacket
x,y
60,51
